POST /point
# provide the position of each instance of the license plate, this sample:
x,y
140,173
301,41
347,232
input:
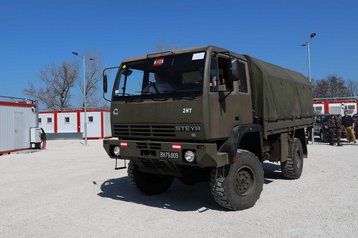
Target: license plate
x,y
169,155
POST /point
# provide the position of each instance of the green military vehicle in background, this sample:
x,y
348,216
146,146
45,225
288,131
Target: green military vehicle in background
x,y
207,113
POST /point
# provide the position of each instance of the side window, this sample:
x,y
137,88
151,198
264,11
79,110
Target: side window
x,y
220,78
242,77
238,69
214,77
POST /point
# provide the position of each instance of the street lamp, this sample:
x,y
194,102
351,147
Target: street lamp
x,y
84,93
307,43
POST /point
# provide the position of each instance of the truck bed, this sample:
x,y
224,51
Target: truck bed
x,y
281,98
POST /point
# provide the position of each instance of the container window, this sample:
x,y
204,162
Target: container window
x,y
49,120
90,119
40,120
319,108
67,120
351,107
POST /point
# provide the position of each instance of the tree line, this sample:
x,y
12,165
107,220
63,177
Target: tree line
x,y
334,86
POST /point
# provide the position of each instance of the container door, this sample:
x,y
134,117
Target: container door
x,y
19,131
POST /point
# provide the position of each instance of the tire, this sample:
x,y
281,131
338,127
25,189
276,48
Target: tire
x,y
292,168
322,137
149,184
241,186
309,133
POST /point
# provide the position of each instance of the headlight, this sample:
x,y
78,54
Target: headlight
x,y
116,151
189,156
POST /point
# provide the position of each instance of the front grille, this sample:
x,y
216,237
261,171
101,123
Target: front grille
x,y
148,146
144,131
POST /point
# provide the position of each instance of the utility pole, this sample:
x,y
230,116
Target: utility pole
x,y
307,43
84,94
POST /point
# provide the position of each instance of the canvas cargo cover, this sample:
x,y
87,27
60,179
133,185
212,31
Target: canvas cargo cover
x,y
278,93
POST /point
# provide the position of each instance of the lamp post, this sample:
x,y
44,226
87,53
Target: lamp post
x,y
84,93
307,43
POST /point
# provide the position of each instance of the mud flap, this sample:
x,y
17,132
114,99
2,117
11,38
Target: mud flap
x,y
222,159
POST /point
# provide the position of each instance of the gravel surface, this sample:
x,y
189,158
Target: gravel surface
x,y
71,190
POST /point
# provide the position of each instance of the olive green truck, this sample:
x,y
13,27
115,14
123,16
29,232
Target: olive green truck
x,y
207,114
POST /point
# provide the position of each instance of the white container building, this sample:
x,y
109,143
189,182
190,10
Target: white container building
x,y
72,121
335,105
17,116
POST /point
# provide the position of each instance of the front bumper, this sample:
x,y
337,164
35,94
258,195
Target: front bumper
x,y
172,153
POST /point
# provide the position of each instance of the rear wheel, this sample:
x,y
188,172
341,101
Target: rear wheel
x,y
240,187
292,168
147,183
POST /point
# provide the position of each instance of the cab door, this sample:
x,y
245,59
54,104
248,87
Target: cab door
x,y
229,95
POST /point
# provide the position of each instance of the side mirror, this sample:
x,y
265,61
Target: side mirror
x,y
127,72
105,75
105,83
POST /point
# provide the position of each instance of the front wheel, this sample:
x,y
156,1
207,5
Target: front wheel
x,y
147,183
240,187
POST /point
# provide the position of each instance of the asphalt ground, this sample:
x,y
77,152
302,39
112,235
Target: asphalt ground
x,y
72,190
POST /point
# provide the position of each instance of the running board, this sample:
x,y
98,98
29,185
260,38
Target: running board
x,y
123,167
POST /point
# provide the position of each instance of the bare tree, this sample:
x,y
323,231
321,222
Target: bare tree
x,y
352,87
320,88
93,77
330,87
58,80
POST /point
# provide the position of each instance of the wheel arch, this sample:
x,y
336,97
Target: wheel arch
x,y
246,137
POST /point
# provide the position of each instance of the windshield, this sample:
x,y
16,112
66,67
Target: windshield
x,y
172,75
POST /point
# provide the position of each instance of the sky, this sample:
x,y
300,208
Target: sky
x,y
37,33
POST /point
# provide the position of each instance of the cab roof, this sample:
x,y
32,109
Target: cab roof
x,y
209,48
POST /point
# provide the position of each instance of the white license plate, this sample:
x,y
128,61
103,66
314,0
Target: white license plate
x,y
169,155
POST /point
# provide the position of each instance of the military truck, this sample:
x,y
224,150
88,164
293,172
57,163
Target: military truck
x,y
207,114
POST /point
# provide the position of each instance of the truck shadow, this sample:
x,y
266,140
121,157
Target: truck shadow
x,y
179,197
272,172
